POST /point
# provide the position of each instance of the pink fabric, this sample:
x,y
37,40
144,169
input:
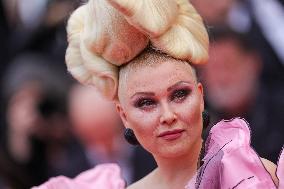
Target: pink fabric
x,y
230,162
105,176
280,170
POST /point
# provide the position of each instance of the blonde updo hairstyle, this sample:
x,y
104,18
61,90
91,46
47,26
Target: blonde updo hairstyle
x,y
105,34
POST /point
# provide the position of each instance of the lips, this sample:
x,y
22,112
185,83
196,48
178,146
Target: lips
x,y
171,135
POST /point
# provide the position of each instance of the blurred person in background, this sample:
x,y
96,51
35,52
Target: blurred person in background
x,y
214,12
37,127
233,88
265,19
268,26
232,13
100,132
38,25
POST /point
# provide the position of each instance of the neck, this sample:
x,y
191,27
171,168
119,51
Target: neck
x,y
176,172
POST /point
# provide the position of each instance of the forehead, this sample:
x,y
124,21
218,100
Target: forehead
x,y
158,77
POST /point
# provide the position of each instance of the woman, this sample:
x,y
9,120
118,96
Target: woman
x,y
158,96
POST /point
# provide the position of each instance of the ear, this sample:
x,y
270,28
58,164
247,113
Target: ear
x,y
122,114
201,93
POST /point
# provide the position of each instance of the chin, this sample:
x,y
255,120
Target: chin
x,y
179,149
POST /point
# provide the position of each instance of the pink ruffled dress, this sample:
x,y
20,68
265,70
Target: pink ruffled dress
x,y
229,163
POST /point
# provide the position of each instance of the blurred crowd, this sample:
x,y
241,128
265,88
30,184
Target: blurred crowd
x,y
50,125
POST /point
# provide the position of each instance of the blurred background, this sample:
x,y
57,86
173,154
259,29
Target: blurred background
x,y
50,125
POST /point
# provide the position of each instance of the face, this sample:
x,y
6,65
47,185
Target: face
x,y
231,76
89,124
163,105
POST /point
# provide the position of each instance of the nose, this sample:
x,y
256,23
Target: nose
x,y
168,116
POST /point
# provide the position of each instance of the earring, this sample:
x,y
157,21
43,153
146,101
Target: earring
x,y
206,119
130,137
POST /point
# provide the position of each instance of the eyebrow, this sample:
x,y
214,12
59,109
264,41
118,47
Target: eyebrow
x,y
178,84
143,93
168,89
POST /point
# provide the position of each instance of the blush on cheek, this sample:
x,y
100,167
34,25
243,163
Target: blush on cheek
x,y
144,125
144,118
191,114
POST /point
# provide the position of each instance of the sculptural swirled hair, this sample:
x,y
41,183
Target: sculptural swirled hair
x,y
104,34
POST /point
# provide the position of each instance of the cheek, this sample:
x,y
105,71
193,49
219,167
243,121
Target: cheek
x,y
143,123
190,113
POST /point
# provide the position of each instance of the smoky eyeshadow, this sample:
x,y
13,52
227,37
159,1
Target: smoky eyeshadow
x,y
143,102
180,94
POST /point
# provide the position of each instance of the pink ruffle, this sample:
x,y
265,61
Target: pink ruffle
x,y
230,162
280,170
104,176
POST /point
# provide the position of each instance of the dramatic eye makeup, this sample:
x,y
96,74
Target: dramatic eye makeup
x,y
180,91
144,102
176,93
180,95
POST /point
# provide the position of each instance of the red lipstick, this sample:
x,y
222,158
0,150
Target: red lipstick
x,y
171,135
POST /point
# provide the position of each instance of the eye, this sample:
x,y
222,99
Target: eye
x,y
145,103
180,95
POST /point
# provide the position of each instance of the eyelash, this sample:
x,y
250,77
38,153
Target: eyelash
x,y
179,95
144,103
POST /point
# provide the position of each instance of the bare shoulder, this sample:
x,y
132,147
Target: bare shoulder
x,y
271,168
